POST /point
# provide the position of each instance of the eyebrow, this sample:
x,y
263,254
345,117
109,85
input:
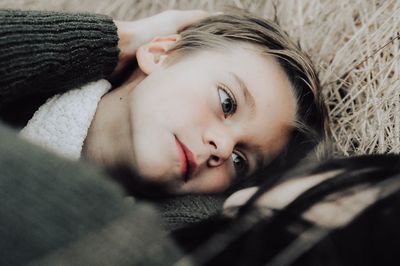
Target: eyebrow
x,y
259,158
249,99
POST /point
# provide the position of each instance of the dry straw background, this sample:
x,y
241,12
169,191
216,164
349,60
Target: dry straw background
x,y
353,43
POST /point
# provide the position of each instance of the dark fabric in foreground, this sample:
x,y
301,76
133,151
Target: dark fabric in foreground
x,y
54,211
353,221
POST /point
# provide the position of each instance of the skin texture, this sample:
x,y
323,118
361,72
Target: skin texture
x,y
182,99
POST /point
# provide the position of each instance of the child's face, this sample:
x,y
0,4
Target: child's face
x,y
182,103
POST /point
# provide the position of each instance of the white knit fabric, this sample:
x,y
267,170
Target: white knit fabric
x,y
61,124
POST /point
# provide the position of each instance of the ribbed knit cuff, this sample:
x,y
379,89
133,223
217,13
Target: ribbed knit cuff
x,y
42,51
182,211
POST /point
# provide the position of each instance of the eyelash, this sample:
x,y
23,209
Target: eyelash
x,y
246,164
234,107
230,96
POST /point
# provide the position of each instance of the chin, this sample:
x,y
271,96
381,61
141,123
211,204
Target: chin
x,y
168,184
146,187
156,176
157,170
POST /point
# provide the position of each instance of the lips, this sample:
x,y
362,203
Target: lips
x,y
188,163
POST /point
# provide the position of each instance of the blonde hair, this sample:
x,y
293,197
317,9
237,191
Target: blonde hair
x,y
240,26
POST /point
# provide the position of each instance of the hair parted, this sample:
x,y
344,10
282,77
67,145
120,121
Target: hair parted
x,y
239,26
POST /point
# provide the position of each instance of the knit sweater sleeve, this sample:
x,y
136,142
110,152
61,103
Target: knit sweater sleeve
x,y
41,52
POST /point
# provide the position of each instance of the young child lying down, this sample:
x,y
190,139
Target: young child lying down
x,y
206,108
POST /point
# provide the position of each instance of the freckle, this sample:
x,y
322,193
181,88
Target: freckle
x,y
120,98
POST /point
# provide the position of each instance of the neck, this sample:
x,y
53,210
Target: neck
x,y
109,138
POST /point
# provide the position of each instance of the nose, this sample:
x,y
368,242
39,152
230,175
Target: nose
x,y
221,143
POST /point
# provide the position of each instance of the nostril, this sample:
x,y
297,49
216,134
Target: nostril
x,y
213,144
214,158
213,161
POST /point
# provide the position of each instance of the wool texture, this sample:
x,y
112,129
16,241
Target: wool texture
x,y
62,123
65,51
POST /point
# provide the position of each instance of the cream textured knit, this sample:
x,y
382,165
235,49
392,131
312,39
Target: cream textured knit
x,y
61,124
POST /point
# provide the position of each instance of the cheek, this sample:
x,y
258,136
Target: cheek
x,y
210,180
188,111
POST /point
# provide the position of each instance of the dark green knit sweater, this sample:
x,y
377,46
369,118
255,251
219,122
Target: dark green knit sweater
x,y
45,52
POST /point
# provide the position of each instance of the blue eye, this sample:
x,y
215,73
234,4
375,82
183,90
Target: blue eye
x,y
240,163
228,102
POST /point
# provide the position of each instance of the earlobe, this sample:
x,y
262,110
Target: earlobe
x,y
151,56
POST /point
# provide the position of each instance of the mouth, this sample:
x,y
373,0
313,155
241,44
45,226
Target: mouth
x,y
188,164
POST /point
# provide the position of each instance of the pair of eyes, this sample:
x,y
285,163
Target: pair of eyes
x,y
229,106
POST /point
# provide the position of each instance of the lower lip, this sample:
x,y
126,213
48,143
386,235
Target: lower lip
x,y
182,157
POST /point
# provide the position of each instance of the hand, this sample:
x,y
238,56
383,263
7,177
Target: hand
x,y
133,34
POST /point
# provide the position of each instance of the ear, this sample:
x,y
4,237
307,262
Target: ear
x,y
150,56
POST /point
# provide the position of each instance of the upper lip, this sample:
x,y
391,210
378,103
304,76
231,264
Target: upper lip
x,y
190,161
